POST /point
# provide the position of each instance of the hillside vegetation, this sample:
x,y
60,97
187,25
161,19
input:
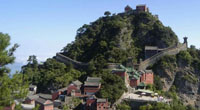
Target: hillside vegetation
x,y
115,38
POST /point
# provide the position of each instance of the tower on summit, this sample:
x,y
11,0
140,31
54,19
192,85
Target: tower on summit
x,y
143,8
185,41
139,8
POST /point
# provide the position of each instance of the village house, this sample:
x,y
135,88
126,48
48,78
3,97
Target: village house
x,y
44,104
92,85
31,99
90,104
93,103
102,104
56,94
73,89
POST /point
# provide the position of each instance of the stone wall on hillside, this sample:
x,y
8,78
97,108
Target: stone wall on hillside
x,y
142,66
169,51
64,59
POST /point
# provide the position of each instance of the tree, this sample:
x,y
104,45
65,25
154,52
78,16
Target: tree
x,y
66,107
18,107
184,57
157,106
10,88
32,60
112,88
37,107
50,75
190,107
107,13
6,56
123,106
158,84
146,107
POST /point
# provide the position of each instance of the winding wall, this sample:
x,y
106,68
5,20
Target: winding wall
x,y
142,66
169,51
64,59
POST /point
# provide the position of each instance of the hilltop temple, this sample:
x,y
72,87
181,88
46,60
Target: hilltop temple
x,y
139,8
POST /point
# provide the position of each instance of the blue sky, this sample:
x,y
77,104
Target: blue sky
x,y
44,27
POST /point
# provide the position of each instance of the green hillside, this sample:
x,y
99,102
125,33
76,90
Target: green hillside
x,y
115,38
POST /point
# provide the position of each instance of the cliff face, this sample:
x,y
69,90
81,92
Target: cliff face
x,y
188,89
184,75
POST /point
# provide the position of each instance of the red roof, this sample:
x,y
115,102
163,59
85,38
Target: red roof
x,y
90,101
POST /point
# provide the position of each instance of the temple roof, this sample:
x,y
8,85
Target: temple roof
x,y
92,81
77,82
33,97
101,100
45,96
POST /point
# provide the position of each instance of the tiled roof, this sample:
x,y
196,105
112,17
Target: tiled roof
x,y
141,72
93,79
136,77
40,100
77,82
101,100
43,101
31,97
118,70
92,83
63,89
131,72
142,84
148,71
122,67
45,96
